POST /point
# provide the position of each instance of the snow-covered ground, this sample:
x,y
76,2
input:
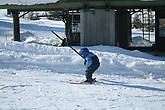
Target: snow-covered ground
x,y
31,31
35,76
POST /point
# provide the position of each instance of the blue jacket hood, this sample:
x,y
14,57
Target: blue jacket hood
x,y
84,52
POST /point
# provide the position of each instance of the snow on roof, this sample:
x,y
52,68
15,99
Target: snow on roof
x,y
26,2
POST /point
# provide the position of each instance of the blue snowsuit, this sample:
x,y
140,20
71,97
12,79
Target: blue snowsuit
x,y
92,63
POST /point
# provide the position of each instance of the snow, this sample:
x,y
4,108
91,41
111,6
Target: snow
x,y
32,31
139,41
26,2
35,76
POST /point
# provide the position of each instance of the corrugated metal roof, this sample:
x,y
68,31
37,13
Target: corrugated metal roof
x,y
26,2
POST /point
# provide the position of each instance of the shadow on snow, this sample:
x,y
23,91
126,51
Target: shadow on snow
x,y
108,82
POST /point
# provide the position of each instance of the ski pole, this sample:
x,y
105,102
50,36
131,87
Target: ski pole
x,y
68,45
57,35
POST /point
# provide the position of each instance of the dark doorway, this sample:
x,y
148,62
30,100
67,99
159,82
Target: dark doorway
x,y
160,30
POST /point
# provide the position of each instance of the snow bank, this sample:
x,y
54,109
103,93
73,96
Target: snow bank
x,y
118,61
138,41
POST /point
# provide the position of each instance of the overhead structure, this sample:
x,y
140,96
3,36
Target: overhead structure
x,y
80,4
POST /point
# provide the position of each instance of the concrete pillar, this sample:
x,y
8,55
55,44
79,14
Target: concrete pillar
x,y
97,27
16,27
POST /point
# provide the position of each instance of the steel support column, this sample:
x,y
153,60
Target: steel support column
x,y
123,28
16,27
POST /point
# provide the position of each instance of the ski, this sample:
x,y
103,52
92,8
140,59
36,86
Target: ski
x,y
82,82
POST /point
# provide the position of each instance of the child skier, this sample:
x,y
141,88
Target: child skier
x,y
91,62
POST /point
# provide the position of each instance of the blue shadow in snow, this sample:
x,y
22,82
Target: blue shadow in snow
x,y
107,82
139,33
33,27
14,86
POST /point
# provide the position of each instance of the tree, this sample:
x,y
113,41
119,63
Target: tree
x,y
137,23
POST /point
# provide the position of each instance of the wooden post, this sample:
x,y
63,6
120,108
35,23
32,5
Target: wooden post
x,y
16,27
